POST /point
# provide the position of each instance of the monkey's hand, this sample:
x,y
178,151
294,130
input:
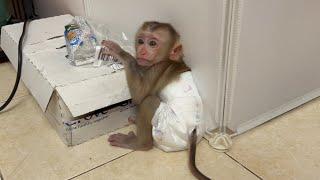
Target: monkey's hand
x,y
113,49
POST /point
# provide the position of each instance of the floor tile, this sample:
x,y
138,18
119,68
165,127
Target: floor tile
x,y
156,164
31,149
287,147
7,79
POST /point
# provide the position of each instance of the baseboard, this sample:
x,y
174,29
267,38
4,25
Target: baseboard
x,y
277,111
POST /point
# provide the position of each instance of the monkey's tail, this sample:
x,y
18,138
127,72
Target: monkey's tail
x,y
192,157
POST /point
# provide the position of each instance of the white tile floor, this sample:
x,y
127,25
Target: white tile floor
x,y
287,147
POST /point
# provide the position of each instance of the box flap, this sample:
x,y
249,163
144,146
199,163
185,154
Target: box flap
x,y
56,68
89,95
39,30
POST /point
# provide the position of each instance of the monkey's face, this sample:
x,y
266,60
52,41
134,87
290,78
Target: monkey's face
x,y
152,47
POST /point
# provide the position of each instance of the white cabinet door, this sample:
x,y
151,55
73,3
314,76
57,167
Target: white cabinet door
x,y
276,60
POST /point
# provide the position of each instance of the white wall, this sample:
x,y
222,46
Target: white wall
x,y
48,8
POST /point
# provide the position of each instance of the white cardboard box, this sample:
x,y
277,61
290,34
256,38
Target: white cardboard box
x,y
78,91
74,131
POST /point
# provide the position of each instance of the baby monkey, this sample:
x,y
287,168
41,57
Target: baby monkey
x,y
156,71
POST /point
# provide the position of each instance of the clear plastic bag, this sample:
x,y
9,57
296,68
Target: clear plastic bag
x,y
104,32
80,41
83,40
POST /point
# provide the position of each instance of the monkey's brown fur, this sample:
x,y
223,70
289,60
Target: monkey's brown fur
x,y
145,84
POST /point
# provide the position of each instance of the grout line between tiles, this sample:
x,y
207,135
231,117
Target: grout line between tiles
x,y
8,108
243,166
100,165
20,164
15,97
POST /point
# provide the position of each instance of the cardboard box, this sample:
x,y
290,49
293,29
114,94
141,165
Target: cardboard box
x,y
67,94
76,130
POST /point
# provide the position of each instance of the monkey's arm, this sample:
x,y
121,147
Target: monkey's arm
x,y
142,81
143,140
138,88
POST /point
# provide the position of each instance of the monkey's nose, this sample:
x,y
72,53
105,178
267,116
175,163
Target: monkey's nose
x,y
142,49
143,54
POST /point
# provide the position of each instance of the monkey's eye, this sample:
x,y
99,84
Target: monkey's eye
x,y
140,41
152,43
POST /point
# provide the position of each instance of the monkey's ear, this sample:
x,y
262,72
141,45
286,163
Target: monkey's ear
x,y
176,53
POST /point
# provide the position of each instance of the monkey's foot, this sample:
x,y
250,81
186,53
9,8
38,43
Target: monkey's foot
x,y
132,119
128,141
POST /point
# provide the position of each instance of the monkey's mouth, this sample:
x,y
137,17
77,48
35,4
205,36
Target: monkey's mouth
x,y
143,62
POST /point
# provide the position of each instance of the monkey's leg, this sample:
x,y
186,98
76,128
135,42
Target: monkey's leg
x,y
143,140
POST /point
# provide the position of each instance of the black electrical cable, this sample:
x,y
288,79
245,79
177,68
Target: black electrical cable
x,y
14,90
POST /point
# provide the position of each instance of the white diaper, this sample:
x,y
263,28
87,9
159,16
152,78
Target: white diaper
x,y
180,111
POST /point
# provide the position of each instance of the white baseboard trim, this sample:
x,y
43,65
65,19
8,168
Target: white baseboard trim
x,y
277,111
